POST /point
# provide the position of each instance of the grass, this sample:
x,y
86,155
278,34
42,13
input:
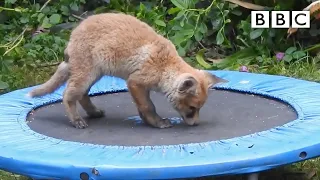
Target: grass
x,y
303,69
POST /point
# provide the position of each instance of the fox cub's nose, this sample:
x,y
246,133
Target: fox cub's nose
x,y
192,122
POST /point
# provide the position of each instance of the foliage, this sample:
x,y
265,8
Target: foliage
x,y
208,34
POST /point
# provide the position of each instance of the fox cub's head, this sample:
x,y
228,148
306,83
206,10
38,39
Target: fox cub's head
x,y
191,94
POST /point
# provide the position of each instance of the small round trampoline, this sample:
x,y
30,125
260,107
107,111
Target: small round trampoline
x,y
254,122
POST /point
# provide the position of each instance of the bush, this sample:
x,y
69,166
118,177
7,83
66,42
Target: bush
x,y
208,34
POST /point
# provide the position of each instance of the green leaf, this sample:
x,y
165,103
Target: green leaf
x,y
290,50
182,23
203,28
10,1
246,27
177,39
45,23
198,36
298,54
24,19
74,7
181,51
176,27
272,32
55,19
256,33
220,38
40,17
287,58
200,59
180,14
65,10
180,4
246,54
173,10
216,23
142,7
236,12
187,32
3,85
160,23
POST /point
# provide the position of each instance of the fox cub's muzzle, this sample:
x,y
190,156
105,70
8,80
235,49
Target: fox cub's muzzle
x,y
191,118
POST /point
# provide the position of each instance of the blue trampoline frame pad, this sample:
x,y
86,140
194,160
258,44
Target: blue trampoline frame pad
x,y
29,153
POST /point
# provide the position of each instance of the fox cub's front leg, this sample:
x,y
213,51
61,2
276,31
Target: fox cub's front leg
x,y
146,108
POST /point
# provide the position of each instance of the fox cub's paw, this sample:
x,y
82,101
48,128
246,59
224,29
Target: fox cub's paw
x,y
79,123
96,114
164,123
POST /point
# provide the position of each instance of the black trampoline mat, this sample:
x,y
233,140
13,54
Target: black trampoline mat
x,y
226,114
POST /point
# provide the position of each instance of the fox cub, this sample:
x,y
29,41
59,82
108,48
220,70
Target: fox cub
x,y
121,45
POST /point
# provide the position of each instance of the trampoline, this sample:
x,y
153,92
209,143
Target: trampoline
x,y
253,123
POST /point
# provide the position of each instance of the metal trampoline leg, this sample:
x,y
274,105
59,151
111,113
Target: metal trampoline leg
x,y
253,176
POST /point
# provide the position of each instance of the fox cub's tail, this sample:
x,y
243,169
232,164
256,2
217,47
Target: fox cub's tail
x,y
58,78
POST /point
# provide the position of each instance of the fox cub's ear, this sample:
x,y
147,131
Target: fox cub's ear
x,y
213,79
187,84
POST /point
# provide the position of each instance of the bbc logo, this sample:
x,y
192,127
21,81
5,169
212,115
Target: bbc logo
x,y
280,19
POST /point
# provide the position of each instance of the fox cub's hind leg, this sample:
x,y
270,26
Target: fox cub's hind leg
x,y
76,90
90,108
146,108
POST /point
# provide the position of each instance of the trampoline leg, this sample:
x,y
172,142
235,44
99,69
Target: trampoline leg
x,y
253,176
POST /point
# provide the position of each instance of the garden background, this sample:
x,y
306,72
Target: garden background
x,y
208,34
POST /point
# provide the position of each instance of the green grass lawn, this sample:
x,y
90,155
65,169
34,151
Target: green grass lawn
x,y
309,169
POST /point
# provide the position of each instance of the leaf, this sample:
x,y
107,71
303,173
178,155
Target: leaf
x,y
65,10
198,36
10,1
216,23
180,4
272,32
177,39
256,33
3,85
180,14
290,50
287,58
45,23
173,10
182,23
40,17
24,19
203,28
298,54
55,19
187,32
200,59
181,51
236,12
248,54
74,7
160,23
176,28
142,7
219,38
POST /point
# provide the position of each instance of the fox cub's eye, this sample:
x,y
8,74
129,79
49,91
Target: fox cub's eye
x,y
192,111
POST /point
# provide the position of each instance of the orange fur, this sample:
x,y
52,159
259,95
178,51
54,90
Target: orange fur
x,y
123,46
